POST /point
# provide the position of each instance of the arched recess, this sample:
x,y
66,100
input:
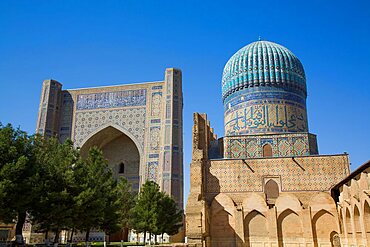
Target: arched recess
x,y
222,225
367,221
324,224
271,191
341,221
118,148
357,224
267,150
120,128
255,229
348,225
290,232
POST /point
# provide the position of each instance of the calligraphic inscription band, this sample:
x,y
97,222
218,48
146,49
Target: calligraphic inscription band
x,y
269,115
111,99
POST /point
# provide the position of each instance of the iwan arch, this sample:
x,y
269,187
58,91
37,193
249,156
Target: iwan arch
x,y
137,126
121,149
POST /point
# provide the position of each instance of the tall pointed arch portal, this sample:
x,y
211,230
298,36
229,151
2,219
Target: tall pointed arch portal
x,y
121,151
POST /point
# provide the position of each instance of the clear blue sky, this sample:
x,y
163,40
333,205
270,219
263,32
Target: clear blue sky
x,y
96,43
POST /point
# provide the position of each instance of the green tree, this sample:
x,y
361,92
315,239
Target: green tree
x,y
55,206
117,213
97,194
145,211
127,201
17,177
169,217
112,212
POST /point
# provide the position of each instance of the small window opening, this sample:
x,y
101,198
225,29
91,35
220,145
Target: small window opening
x,y
271,192
121,168
267,150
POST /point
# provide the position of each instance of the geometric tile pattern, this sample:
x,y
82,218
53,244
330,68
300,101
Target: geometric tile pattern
x,y
283,145
252,149
313,173
153,171
132,119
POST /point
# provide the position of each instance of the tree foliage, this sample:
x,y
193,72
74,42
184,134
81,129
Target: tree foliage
x,y
169,217
58,189
17,176
155,212
97,201
145,209
55,189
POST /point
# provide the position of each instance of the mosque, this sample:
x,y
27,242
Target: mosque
x,y
264,183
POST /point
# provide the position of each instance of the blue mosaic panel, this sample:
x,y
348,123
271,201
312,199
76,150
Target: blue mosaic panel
x,y
111,99
152,170
276,113
283,145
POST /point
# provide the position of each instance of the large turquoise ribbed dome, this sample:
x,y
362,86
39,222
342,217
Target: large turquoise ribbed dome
x,y
263,64
264,91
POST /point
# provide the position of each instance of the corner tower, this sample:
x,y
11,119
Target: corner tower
x,y
264,96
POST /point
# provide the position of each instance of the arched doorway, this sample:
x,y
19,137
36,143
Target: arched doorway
x,y
121,152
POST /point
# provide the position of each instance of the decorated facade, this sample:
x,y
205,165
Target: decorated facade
x,y
264,183
137,126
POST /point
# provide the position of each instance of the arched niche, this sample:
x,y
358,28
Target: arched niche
x,y
267,150
290,230
255,228
348,225
120,150
271,190
222,221
357,224
324,224
341,221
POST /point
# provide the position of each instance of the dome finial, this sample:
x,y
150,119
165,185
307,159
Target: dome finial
x,y
259,37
